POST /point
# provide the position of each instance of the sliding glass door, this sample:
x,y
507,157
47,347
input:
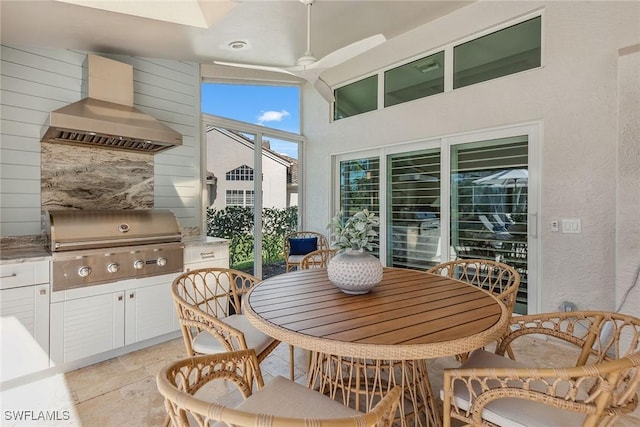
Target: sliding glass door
x,y
468,196
413,209
489,204
360,187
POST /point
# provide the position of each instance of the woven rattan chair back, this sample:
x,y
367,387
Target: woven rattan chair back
x,y
317,259
599,386
205,296
496,277
323,243
179,381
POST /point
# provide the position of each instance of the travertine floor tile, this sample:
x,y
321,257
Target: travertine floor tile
x,y
162,353
122,391
103,383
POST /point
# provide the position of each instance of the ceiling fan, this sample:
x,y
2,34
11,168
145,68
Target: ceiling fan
x,y
309,68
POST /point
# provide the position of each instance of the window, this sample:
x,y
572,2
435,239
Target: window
x,y
511,50
243,173
253,144
356,98
417,79
242,198
359,186
506,51
248,200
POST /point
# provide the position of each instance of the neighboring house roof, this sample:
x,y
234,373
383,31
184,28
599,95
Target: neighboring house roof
x,y
293,170
266,150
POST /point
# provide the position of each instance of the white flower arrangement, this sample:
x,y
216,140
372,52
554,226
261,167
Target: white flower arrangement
x,y
356,233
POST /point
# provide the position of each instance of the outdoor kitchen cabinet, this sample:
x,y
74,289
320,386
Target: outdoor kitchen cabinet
x,y
208,252
24,307
96,319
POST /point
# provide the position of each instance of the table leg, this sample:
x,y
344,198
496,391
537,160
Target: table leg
x,y
361,383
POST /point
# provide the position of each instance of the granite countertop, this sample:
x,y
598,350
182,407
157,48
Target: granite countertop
x,y
204,241
24,254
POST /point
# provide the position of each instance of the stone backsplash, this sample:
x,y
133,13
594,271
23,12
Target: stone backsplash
x,y
74,177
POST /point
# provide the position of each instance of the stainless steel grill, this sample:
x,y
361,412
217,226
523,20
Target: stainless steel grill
x,y
91,247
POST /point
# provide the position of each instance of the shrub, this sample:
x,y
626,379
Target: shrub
x,y
236,224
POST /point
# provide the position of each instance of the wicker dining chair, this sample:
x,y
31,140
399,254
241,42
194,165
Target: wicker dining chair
x,y
495,277
300,243
599,383
317,259
208,302
280,403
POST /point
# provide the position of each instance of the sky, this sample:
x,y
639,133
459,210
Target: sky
x,y
270,106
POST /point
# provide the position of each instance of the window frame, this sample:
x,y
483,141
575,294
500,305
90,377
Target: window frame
x,y
448,62
478,37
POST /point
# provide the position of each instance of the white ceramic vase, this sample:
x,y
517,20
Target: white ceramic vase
x,y
354,271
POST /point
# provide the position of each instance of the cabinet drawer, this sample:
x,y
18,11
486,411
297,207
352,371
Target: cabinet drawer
x,y
23,274
205,253
213,263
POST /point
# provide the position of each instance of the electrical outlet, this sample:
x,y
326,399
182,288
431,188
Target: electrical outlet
x,y
555,226
571,225
568,306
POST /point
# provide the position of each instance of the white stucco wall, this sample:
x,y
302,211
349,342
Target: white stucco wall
x,y
628,189
573,96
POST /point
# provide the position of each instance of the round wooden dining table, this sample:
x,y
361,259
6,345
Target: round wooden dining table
x,y
362,345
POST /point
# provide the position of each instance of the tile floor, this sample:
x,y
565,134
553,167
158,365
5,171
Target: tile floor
x,y
122,391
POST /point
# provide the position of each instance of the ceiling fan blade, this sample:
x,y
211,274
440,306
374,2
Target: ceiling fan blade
x,y
350,51
312,76
256,67
324,89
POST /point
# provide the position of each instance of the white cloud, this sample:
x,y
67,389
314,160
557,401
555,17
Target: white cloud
x,y
272,116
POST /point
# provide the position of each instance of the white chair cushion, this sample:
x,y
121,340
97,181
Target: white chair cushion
x,y
295,259
205,343
285,398
512,412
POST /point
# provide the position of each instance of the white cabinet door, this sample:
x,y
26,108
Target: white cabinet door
x,y
25,330
93,320
86,326
149,312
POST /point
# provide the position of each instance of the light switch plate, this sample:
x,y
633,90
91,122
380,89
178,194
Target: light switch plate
x,y
571,225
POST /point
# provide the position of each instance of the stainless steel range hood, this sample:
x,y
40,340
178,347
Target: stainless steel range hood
x,y
106,118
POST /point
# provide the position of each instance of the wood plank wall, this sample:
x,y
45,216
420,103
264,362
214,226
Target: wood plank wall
x,y
36,81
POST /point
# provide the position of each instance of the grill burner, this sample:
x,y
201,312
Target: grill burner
x,y
91,247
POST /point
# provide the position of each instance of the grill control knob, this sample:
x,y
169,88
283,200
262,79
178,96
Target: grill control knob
x,y
84,271
161,262
138,264
113,267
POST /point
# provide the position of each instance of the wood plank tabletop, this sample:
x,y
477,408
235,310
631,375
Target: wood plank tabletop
x,y
410,314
